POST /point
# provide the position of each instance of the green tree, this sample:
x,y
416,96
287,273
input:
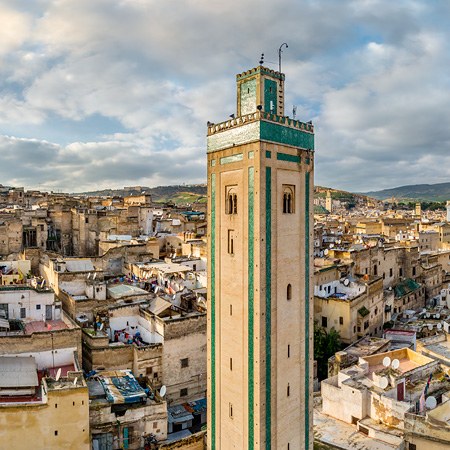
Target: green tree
x,y
326,344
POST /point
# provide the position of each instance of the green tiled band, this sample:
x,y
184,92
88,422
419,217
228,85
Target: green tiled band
x,y
307,330
251,282
268,307
213,311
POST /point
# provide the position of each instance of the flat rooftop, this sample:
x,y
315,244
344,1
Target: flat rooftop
x,y
48,325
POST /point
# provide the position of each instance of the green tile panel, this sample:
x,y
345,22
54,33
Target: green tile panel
x,y
232,158
307,312
288,157
251,283
213,310
282,134
268,309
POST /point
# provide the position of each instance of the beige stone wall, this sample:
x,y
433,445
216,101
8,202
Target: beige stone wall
x,y
62,423
184,338
140,420
42,341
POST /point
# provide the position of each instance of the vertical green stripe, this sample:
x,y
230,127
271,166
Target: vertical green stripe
x,y
307,331
268,306
213,311
251,235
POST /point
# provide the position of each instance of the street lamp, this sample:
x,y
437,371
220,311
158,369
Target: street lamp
x,y
280,51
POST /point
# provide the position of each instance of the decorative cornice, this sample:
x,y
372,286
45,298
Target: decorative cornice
x,y
260,70
259,115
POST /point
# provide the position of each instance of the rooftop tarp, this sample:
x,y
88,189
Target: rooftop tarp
x,y
121,387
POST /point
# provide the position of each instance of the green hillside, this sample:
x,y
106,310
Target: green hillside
x,y
424,192
179,194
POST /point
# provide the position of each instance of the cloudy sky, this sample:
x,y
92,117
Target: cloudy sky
x,y
107,93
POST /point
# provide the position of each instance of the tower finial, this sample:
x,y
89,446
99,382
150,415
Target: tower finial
x,y
261,61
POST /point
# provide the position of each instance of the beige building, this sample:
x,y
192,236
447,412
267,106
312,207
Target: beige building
x,y
260,188
353,307
40,411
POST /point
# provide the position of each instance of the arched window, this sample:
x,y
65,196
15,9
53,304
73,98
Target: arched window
x,y
289,292
231,202
288,200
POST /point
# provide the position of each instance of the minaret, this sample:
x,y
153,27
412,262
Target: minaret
x,y
448,210
418,210
329,202
260,223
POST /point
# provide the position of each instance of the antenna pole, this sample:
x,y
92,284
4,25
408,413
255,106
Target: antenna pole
x,y
280,51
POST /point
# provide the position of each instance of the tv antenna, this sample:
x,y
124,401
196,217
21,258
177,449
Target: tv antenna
x,y
280,51
58,374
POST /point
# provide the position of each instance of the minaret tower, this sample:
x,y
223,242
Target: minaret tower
x,y
260,304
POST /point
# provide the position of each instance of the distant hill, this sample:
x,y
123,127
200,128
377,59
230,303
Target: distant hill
x,y
425,192
180,194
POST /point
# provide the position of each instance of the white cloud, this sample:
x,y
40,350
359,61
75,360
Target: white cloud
x,y
371,74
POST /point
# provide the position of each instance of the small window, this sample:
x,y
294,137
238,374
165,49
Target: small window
x,y
390,272
184,362
155,425
56,405
56,432
288,390
289,351
231,363
288,199
183,392
38,307
400,272
23,313
324,322
231,242
414,271
341,320
230,409
231,310
289,292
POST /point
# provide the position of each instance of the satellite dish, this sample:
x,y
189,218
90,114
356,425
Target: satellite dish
x,y
325,252
438,316
95,276
431,402
430,326
439,326
395,364
346,282
75,381
386,361
331,245
162,391
88,275
427,315
58,374
101,326
383,382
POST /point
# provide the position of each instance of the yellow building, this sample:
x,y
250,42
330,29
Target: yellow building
x,y
260,187
41,412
